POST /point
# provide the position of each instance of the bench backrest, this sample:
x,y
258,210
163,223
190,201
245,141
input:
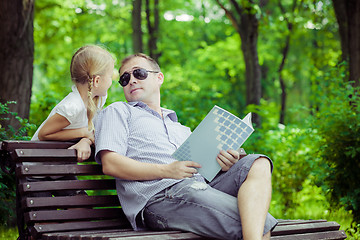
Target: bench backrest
x,y
99,208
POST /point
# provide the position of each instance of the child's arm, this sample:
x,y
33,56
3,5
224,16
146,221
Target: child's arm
x,y
53,129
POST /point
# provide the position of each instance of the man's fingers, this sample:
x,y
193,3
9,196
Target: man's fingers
x,y
192,164
223,166
233,153
227,158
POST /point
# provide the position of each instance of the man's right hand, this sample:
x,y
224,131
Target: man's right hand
x,y
182,169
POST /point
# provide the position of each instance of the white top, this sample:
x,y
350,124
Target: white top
x,y
72,107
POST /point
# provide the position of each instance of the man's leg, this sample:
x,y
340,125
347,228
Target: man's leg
x,y
194,206
254,199
252,170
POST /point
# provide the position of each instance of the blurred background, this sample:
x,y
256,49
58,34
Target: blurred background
x,y
294,63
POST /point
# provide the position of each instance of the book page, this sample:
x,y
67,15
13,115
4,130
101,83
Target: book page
x,y
220,130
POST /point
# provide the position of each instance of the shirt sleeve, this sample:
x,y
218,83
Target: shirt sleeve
x,y
71,111
112,130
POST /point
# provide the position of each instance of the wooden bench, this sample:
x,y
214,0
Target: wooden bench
x,y
97,214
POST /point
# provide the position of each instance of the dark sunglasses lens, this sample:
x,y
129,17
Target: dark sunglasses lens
x,y
124,79
140,73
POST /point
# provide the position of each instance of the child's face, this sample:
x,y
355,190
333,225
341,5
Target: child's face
x,y
105,82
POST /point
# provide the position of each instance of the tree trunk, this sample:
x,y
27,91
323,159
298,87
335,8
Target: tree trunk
x,y
136,27
153,28
285,51
246,24
249,34
16,55
348,16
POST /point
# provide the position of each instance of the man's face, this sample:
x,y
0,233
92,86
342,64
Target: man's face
x,y
147,90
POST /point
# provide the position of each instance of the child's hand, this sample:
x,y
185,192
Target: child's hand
x,y
227,159
88,134
83,149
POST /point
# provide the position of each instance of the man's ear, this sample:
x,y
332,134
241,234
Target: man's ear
x,y
160,78
96,81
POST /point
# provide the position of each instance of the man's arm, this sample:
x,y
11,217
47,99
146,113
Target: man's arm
x,y
122,167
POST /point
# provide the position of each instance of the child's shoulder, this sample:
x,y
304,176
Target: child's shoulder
x,y
71,105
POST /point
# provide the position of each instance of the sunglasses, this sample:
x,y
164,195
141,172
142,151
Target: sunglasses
x,y
139,73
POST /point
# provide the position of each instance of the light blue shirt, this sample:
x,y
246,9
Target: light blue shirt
x,y
138,132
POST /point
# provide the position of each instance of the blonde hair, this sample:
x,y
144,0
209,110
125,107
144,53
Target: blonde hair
x,y
88,62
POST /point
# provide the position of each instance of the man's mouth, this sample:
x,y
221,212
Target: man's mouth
x,y
133,90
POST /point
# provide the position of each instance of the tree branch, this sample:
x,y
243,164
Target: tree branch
x,y
230,15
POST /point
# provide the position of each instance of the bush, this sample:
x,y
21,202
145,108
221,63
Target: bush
x,y
291,148
7,182
338,123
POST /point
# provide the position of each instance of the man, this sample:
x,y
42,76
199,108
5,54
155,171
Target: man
x,y
134,143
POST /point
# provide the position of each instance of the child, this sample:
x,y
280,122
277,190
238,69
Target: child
x,y
91,71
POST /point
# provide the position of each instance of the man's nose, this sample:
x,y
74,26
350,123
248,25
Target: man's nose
x,y
133,79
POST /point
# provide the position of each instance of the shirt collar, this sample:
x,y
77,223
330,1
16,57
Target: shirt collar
x,y
74,89
166,112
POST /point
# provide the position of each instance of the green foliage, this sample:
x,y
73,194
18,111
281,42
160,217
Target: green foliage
x,y
207,79
290,147
353,232
9,132
7,182
338,123
8,233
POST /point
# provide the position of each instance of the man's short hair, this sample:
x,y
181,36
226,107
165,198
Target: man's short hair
x,y
152,62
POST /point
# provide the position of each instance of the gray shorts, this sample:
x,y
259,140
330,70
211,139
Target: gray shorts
x,y
206,209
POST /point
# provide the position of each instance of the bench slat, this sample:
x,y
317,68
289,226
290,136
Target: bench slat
x,y
329,235
83,225
73,214
104,184
10,145
58,170
128,233
161,236
88,234
305,228
282,222
71,201
120,234
44,155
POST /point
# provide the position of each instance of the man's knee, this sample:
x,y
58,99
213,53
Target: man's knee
x,y
261,167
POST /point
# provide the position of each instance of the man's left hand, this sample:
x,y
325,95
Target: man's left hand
x,y
227,159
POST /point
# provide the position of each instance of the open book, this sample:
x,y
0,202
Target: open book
x,y
220,130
